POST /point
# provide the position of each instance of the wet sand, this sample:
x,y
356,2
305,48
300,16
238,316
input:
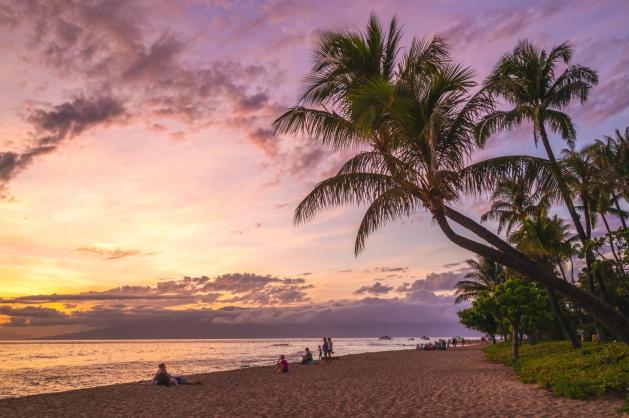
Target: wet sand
x,y
453,383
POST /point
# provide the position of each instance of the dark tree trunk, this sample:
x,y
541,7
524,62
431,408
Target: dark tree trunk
x,y
565,193
587,215
515,341
599,309
481,231
572,270
609,235
563,273
566,327
620,215
563,188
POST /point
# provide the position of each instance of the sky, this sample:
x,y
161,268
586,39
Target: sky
x,y
140,179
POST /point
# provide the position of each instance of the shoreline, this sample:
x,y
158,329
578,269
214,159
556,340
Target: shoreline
x,y
455,382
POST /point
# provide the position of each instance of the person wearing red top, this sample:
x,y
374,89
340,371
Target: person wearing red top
x,y
282,364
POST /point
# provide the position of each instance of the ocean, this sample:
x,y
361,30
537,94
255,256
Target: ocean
x,y
33,367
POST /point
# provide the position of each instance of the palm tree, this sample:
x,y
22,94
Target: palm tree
x,y
526,79
512,202
579,173
546,239
484,277
611,158
415,117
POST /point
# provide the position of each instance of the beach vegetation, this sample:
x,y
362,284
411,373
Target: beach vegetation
x,y
411,118
596,369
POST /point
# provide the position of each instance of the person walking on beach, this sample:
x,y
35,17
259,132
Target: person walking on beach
x,y
330,349
325,348
320,352
282,365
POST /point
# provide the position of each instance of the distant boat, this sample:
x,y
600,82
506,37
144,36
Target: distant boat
x,y
411,339
423,337
385,337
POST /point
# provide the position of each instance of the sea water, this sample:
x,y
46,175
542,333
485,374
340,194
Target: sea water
x,y
33,367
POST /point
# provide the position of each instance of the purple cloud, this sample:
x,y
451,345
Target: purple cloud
x,y
374,289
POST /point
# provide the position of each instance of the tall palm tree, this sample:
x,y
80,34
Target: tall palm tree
x,y
484,277
416,122
546,239
528,79
580,176
513,202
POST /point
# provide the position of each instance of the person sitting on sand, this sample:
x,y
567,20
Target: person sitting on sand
x,y
307,358
282,365
163,378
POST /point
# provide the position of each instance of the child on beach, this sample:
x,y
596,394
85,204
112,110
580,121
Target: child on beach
x,y
320,353
282,364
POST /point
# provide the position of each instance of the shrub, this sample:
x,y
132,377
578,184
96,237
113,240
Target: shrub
x,y
592,371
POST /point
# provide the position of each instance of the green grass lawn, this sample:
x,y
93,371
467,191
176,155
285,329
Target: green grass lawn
x,y
592,371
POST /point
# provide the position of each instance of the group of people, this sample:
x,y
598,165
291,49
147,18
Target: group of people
x,y
325,353
162,377
327,349
440,344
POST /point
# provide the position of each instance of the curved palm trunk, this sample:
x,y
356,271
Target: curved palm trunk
x,y
587,215
496,241
563,188
566,328
620,215
599,309
565,194
481,231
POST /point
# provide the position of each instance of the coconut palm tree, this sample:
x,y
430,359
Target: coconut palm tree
x,y
546,239
580,176
484,277
513,202
410,120
528,79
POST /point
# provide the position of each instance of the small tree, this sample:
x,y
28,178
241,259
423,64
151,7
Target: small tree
x,y
481,316
518,303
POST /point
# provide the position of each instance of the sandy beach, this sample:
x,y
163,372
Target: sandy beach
x,y
453,383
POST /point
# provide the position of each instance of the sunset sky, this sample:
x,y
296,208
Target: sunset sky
x,y
139,173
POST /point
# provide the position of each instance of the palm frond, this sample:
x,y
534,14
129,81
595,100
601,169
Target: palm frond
x,y
340,190
391,205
